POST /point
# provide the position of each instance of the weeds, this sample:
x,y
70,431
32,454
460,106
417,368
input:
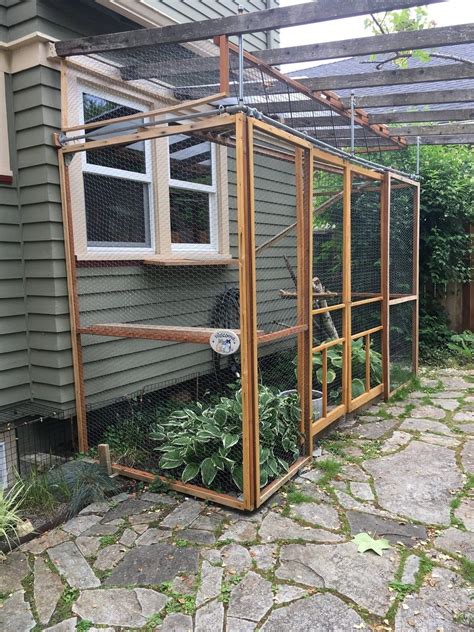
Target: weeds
x,y
227,585
467,570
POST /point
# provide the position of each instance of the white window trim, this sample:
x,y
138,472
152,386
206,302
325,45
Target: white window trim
x,y
159,181
3,465
122,174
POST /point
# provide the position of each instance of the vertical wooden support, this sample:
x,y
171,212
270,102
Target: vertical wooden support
x,y
73,301
346,288
416,274
385,273
325,381
223,44
304,236
104,457
248,311
367,362
64,95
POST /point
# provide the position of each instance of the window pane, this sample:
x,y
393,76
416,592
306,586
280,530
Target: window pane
x,y
190,159
190,223
117,212
128,158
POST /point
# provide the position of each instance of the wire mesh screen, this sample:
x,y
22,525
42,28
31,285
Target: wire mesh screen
x,y
402,204
401,343
278,292
156,278
366,349
327,287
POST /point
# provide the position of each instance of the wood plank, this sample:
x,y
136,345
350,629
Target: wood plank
x,y
256,21
425,116
416,276
346,289
433,130
461,139
385,281
190,262
413,98
323,422
442,36
424,74
198,335
283,333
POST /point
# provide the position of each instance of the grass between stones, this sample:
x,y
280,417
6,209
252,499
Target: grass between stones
x,y
227,585
467,570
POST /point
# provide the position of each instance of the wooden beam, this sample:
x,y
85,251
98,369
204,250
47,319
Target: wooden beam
x,y
461,139
433,130
424,74
256,21
443,36
424,116
198,335
413,98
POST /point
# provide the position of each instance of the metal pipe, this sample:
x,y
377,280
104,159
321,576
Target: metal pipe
x,y
241,61
417,155
352,122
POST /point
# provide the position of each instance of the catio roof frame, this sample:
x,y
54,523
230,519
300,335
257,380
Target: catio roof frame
x,y
320,90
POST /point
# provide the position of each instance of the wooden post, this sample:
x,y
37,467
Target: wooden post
x,y
248,316
223,43
104,457
416,274
73,301
346,289
304,235
385,282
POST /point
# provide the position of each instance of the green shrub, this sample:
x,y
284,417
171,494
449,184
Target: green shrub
x,y
205,444
10,516
44,491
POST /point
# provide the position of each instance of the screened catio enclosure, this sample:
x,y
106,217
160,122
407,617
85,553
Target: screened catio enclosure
x,y
233,287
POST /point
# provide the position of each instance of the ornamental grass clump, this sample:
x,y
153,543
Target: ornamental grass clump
x,y
203,445
10,514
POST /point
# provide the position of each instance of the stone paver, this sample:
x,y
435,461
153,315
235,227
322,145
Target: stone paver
x,y
119,606
456,542
442,604
320,613
322,515
362,578
13,571
283,558
47,589
417,482
251,599
15,614
153,564
72,565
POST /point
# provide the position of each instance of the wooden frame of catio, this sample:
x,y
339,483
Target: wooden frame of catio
x,y
241,132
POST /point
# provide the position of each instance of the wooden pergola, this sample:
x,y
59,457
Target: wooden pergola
x,y
399,108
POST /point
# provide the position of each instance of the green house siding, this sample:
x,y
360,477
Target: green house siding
x,y
35,345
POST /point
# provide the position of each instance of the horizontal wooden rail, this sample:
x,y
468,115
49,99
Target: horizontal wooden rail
x,y
283,333
328,344
323,422
374,330
402,299
271,488
330,308
366,301
198,335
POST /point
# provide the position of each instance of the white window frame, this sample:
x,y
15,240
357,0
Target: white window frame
x,y
213,246
122,174
157,177
3,465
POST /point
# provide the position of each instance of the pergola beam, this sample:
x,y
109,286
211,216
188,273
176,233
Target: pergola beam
x,y
401,99
443,36
448,72
266,20
461,139
409,40
433,130
425,116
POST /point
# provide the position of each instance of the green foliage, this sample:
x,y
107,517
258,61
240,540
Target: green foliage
x,y
87,483
295,497
204,445
467,569
402,589
10,512
335,361
462,345
84,625
366,542
227,586
45,491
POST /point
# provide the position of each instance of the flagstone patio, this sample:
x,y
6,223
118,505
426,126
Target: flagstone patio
x,y
169,563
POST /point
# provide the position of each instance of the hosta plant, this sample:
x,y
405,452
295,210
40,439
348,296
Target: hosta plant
x,y
204,445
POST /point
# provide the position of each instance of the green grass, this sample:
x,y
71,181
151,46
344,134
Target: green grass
x,y
227,586
152,622
107,540
296,497
330,469
467,570
402,589
84,625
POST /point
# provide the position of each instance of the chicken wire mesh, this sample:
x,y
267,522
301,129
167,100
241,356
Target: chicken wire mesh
x,y
401,342
278,294
402,204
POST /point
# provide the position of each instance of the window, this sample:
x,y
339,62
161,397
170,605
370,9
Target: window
x,y
117,182
162,198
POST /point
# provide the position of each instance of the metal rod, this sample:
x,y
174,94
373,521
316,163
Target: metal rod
x,y
241,61
417,155
352,122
